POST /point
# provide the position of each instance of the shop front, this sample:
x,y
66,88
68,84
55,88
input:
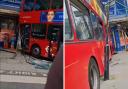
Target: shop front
x,y
8,30
120,36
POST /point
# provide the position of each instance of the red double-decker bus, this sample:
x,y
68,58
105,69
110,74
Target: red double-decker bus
x,y
41,26
85,44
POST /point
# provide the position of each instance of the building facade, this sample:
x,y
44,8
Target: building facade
x,y
9,15
118,19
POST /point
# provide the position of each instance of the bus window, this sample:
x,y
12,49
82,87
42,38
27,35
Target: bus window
x,y
54,32
68,32
93,20
97,27
100,30
42,5
25,29
25,33
39,30
82,29
28,5
88,21
57,4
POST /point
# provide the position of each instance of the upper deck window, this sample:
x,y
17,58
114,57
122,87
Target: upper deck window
x,y
48,4
28,5
57,4
42,5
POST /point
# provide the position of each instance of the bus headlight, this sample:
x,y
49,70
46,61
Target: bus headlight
x,y
53,55
46,49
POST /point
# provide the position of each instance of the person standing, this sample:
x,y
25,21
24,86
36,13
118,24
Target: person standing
x,y
12,41
6,40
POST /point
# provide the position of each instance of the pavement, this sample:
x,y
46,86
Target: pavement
x,y
9,62
15,73
6,85
118,72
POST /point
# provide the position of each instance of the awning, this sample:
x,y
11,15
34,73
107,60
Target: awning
x,y
5,11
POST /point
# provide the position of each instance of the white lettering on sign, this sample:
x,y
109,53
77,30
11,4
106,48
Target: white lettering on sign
x,y
33,73
60,16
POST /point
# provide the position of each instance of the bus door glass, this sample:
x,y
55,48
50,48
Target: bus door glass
x,y
25,35
99,34
54,32
97,27
55,35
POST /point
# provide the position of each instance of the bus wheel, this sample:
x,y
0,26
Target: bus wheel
x,y
36,51
94,75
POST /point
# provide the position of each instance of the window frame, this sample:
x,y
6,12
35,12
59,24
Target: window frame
x,y
41,9
50,31
23,7
98,22
52,3
80,9
72,33
41,28
100,25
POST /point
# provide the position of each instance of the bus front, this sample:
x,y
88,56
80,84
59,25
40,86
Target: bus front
x,y
41,23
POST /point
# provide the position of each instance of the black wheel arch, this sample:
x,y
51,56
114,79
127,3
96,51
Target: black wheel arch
x,y
93,62
93,58
35,45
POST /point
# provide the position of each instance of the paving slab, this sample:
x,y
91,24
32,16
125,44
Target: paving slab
x,y
118,72
8,61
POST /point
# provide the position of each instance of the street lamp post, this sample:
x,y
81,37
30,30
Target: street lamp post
x,y
106,72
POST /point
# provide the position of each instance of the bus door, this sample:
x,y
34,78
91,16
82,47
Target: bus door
x,y
55,38
99,34
25,36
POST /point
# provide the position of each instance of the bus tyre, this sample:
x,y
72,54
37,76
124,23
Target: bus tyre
x,y
94,75
36,51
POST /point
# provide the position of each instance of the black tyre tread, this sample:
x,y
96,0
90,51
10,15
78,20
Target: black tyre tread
x,y
32,51
93,63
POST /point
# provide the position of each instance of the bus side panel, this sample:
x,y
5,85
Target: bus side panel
x,y
77,57
75,73
30,17
43,44
100,56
